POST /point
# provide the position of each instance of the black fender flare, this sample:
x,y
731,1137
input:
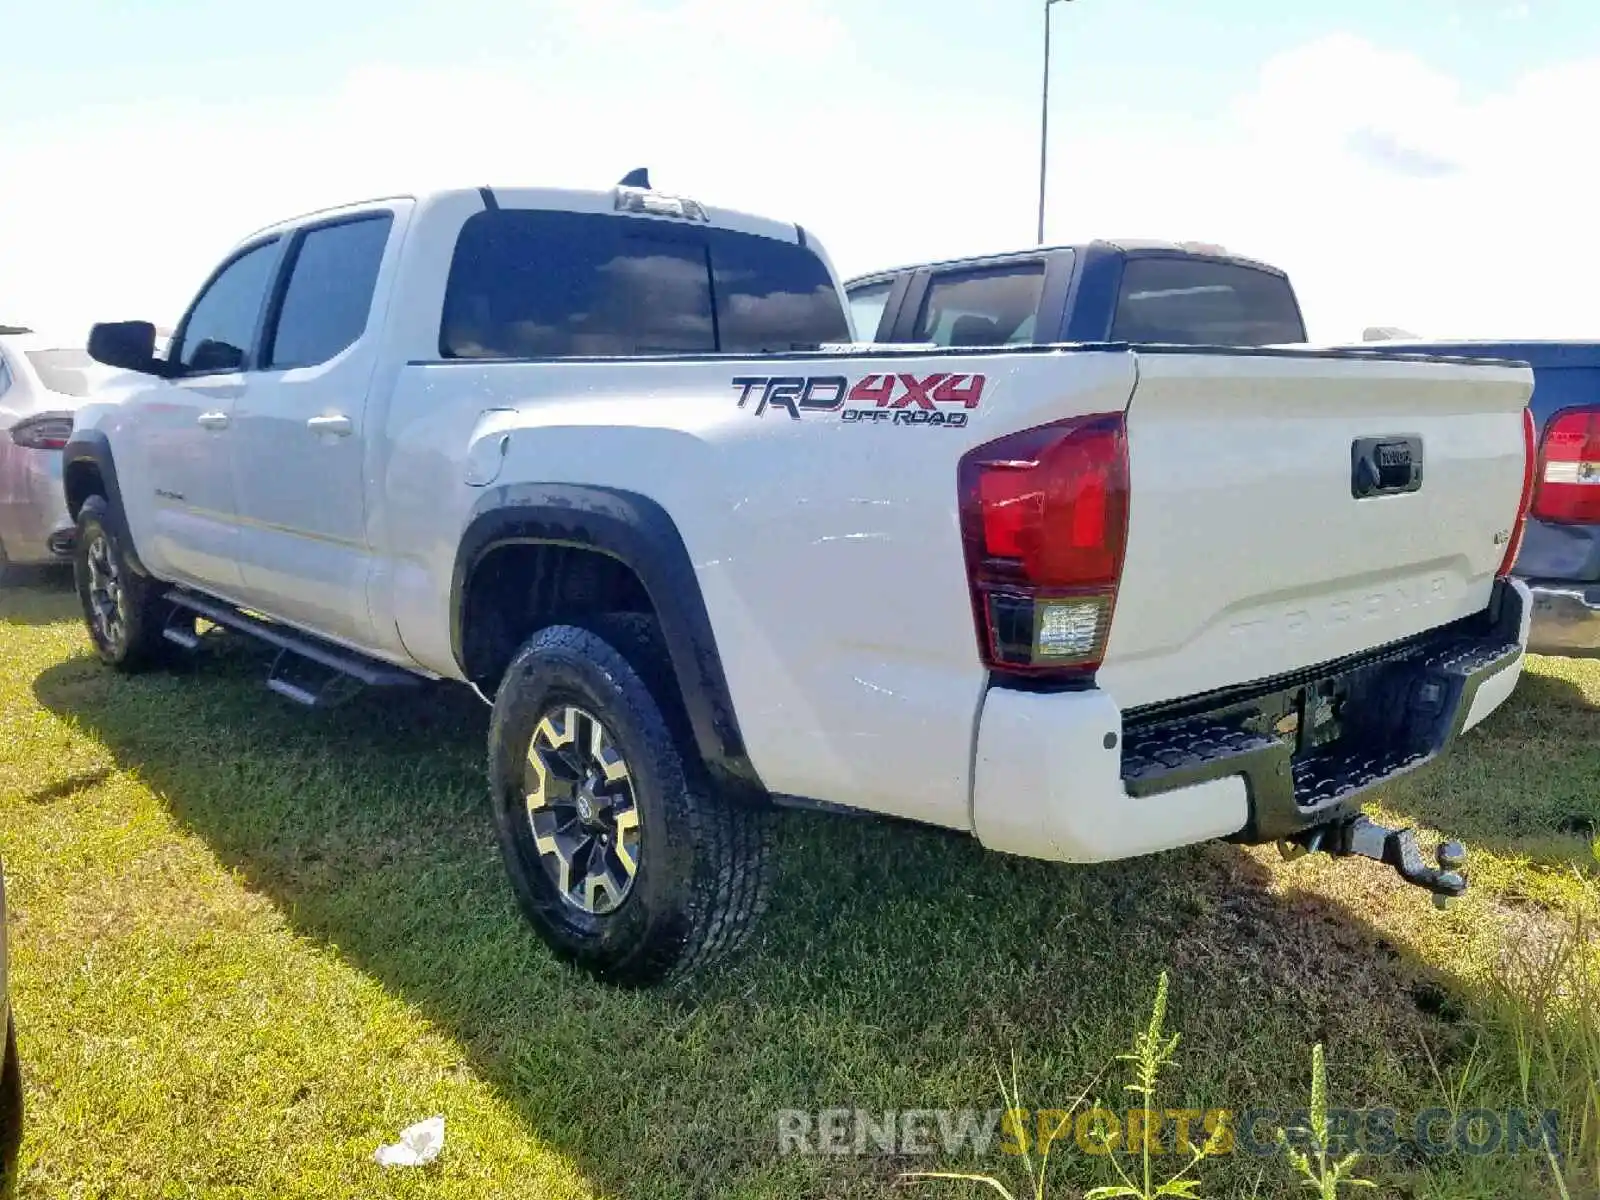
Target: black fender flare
x,y
93,447
638,532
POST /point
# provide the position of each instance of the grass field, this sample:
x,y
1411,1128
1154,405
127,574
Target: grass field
x,y
250,943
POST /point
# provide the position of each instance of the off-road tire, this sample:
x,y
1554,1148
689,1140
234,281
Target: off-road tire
x,y
701,875
134,642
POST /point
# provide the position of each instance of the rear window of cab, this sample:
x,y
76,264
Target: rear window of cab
x,y
529,283
1198,301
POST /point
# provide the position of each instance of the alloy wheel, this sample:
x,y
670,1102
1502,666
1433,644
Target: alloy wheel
x,y
106,595
578,791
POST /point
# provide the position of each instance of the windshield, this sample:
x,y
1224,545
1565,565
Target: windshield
x,y
65,372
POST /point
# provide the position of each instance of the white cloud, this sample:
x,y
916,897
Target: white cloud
x,y
730,33
1390,194
1475,224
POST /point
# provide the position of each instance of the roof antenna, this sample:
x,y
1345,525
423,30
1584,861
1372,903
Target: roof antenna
x,y
639,177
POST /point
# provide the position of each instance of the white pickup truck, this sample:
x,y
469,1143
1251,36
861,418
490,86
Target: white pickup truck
x,y
610,458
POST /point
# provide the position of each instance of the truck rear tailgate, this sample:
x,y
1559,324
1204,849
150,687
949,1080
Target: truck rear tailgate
x,y
1290,509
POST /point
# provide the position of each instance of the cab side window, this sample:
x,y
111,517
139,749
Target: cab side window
x,y
988,306
217,335
329,297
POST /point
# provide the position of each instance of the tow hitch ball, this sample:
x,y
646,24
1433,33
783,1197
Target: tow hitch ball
x,y
1365,838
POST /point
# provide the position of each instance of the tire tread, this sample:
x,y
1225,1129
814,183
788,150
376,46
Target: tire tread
x,y
725,842
147,609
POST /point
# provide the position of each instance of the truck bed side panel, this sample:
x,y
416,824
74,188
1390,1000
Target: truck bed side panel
x,y
828,550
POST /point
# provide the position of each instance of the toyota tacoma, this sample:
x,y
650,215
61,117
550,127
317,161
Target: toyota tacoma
x,y
611,458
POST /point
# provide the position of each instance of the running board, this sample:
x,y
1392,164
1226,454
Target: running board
x,y
298,653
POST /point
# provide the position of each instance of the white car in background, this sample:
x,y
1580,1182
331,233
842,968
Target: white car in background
x,y
42,382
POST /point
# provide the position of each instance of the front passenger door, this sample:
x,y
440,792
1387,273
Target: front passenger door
x,y
184,425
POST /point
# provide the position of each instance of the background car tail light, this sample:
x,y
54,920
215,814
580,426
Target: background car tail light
x,y
1519,527
1567,490
48,431
1044,522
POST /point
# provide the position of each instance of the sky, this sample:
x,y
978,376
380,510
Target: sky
x,y
1427,164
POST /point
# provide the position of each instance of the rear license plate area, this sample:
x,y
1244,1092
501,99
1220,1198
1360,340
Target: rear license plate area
x,y
1305,718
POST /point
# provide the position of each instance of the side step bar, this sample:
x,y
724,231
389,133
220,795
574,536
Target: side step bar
x,y
180,629
296,650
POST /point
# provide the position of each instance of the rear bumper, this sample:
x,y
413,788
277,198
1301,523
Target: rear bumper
x,y
34,526
1566,619
1068,776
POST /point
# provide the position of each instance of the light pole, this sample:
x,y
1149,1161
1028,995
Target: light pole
x,y
1044,115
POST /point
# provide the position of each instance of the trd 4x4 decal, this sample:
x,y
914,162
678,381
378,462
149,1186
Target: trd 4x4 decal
x,y
899,399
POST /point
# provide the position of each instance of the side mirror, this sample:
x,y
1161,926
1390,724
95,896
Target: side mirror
x,y
129,345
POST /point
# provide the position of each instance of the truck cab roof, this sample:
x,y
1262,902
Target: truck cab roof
x,y
1125,246
1127,290
642,202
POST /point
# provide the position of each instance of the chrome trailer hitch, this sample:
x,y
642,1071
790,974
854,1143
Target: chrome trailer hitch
x,y
1361,837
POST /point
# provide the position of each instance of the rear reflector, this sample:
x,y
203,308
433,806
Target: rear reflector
x,y
1044,522
1520,525
1567,491
48,431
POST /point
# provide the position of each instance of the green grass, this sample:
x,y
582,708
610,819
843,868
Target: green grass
x,y
250,943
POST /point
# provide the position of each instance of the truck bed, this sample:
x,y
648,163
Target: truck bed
x,y
825,536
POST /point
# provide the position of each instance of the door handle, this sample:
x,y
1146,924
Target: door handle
x,y
339,425
214,420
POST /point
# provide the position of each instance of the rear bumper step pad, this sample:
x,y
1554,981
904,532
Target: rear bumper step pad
x,y
1310,745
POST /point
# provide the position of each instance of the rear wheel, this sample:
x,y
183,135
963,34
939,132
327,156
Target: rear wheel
x,y
622,861
123,610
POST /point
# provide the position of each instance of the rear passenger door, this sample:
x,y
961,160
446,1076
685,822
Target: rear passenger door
x,y
300,428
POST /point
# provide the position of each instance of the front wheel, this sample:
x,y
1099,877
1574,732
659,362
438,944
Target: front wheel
x,y
622,862
123,610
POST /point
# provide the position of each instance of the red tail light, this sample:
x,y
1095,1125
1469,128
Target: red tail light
x,y
1568,487
48,431
1519,527
1044,520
